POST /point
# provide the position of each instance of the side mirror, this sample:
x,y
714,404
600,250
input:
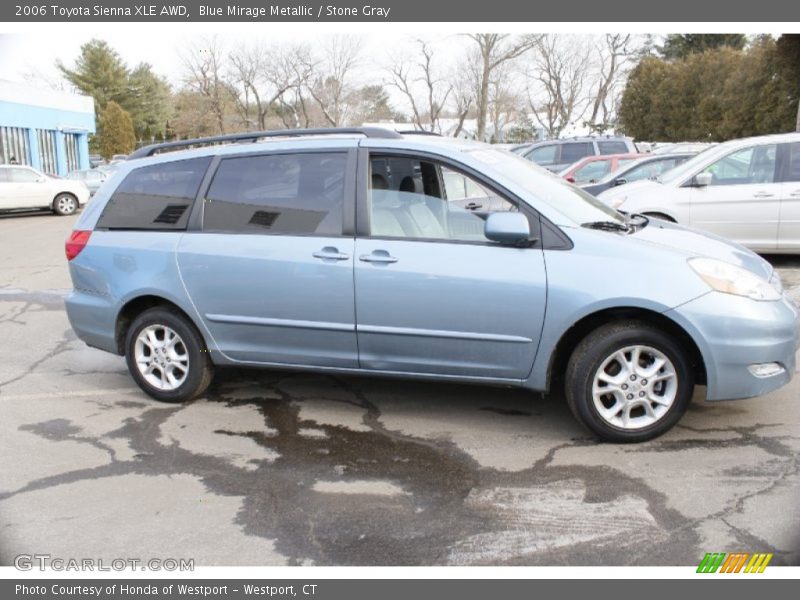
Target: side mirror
x,y
508,228
570,179
620,181
703,179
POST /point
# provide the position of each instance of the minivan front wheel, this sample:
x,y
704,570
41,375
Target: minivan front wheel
x,y
166,356
629,382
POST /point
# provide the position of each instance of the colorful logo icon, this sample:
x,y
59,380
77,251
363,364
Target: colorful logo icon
x,y
737,562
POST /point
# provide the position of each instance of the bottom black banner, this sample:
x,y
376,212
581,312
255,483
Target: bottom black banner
x,y
392,589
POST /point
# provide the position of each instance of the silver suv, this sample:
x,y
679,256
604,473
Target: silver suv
x,y
554,155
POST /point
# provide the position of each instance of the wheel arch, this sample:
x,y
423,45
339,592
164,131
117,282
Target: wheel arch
x,y
135,306
64,193
581,328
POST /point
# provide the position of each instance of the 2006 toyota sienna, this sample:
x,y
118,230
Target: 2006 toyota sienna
x,y
376,252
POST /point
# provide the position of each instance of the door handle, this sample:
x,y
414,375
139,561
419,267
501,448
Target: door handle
x,y
763,195
378,256
330,253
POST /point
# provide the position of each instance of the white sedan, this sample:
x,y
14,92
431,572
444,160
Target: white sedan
x,y
25,188
746,190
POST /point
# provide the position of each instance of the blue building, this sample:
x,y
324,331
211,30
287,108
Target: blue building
x,y
46,129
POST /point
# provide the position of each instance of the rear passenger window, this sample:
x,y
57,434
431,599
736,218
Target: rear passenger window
x,y
155,197
543,155
793,168
291,194
574,151
608,147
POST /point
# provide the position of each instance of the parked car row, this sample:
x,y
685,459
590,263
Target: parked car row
x,y
556,155
25,188
593,168
92,178
647,166
745,190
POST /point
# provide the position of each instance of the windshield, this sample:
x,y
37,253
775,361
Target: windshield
x,y
571,201
690,166
625,166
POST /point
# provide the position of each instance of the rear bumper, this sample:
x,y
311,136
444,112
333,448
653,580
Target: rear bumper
x,y
93,318
734,333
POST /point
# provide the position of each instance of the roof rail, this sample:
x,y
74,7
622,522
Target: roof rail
x,y
418,132
254,136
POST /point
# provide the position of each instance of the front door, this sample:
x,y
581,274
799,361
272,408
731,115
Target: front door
x,y
271,272
789,228
23,188
742,203
433,295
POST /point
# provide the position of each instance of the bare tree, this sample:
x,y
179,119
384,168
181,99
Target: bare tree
x,y
203,64
493,50
264,75
558,76
505,103
332,83
463,85
411,76
615,53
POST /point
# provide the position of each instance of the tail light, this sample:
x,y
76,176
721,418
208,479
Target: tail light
x,y
76,242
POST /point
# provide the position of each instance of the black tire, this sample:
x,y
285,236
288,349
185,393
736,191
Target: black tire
x,y
200,371
662,216
592,352
65,204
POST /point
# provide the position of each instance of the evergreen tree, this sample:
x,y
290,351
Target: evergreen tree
x,y
788,64
149,101
714,95
99,72
116,131
678,46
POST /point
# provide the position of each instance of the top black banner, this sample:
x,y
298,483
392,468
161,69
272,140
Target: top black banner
x,y
398,11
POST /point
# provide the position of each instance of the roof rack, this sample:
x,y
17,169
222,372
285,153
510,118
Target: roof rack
x,y
254,136
418,132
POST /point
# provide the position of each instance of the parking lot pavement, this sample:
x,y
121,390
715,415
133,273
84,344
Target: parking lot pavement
x,y
289,468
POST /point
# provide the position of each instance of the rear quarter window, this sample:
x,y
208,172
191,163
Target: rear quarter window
x,y
289,194
574,151
156,196
615,147
543,155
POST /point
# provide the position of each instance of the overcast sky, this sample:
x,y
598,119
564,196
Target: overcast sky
x,y
32,57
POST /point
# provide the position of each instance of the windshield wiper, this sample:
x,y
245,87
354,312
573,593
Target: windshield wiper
x,y
606,225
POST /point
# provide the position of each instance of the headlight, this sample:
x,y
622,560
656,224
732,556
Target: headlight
x,y
617,202
730,279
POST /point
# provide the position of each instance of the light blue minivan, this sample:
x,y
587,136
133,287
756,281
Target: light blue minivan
x,y
368,251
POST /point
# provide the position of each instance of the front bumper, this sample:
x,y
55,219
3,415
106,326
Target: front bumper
x,y
733,333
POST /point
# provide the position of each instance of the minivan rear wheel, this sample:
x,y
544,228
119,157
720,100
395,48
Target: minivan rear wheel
x,y
167,356
628,382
